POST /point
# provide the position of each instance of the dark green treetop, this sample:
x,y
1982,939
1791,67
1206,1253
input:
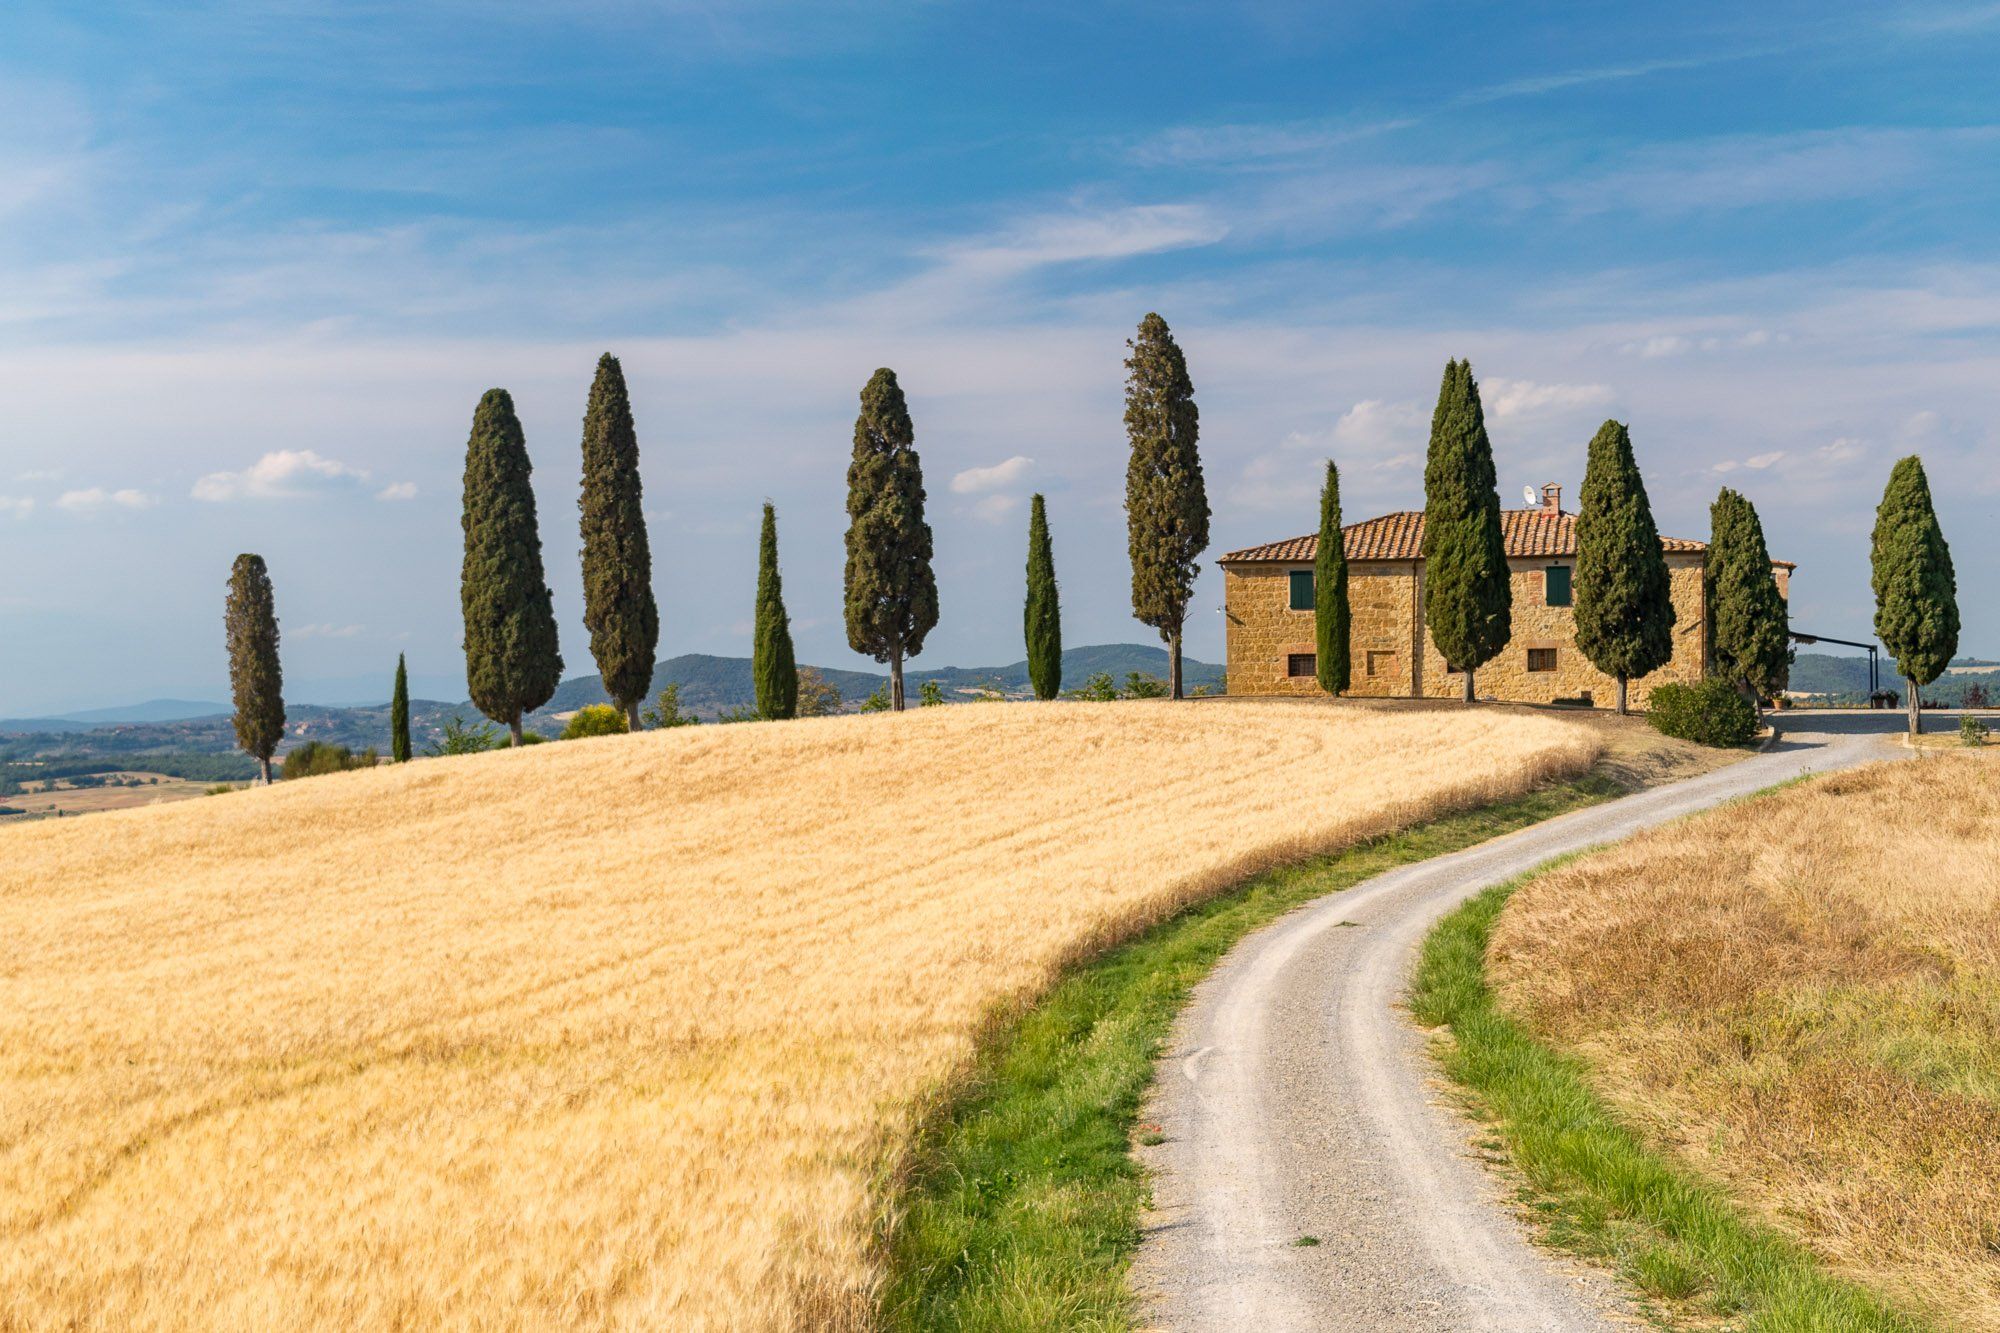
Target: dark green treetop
x,y
256,681
618,605
1916,589
1749,642
772,664
1166,499
1044,614
1624,602
512,662
1468,597
892,600
1331,618
399,715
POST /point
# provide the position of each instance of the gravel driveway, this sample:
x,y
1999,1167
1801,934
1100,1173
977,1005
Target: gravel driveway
x,y
1295,1101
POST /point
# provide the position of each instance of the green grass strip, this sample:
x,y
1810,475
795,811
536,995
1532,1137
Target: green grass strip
x,y
1594,1188
1023,1209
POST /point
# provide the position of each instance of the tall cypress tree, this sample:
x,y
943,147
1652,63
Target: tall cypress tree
x,y
775,669
512,662
256,681
1044,615
1748,632
399,715
1624,602
1331,619
618,606
1468,599
1916,591
1166,500
892,598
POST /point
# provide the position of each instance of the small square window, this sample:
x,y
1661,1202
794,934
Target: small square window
x,y
1541,659
1302,590
1555,587
1301,664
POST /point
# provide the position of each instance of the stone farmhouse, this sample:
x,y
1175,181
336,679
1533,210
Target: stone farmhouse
x,y
1268,609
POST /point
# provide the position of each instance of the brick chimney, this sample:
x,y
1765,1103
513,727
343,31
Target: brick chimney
x,y
1552,498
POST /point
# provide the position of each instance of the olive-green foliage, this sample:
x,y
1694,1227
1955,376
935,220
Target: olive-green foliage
x,y
667,712
878,700
892,600
462,737
1331,618
1916,590
930,694
1749,643
1468,600
1044,614
775,670
313,758
618,606
511,659
1139,685
1166,499
818,696
399,715
595,720
1624,604
1098,687
1971,731
1709,712
256,682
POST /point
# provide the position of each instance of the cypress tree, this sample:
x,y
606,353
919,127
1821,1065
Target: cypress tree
x,y
256,681
1749,639
1916,591
1044,613
1331,618
1624,602
512,662
1468,599
776,671
618,606
1166,501
891,592
399,715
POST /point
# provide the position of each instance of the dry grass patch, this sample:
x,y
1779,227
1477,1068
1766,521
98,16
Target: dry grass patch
x,y
1800,996
619,1032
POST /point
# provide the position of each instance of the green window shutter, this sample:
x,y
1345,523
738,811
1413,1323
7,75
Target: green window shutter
x,y
1302,590
1555,585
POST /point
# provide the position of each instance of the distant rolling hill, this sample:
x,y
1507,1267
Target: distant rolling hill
x,y
153,710
710,685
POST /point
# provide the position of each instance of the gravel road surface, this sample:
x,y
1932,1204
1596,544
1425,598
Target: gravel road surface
x,y
1295,1100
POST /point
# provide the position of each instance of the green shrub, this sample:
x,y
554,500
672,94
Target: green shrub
x,y
930,694
669,713
1971,731
462,737
747,713
594,720
1711,712
1099,688
314,758
877,702
1139,685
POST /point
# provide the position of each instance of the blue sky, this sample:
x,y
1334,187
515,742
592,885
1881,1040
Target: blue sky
x,y
258,262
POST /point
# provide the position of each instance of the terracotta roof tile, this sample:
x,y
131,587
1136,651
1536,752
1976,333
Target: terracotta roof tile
x,y
1400,536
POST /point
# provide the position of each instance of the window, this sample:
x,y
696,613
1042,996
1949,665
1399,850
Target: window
x,y
1555,589
1302,590
1302,664
1542,659
1381,664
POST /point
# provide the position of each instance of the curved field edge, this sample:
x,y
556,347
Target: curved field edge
x,y
1592,1187
1019,1203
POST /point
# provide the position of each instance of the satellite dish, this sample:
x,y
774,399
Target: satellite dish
x,y
1531,495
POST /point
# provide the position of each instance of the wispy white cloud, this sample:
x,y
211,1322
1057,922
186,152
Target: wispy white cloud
x,y
974,480
1511,398
327,631
96,498
280,474
398,490
20,506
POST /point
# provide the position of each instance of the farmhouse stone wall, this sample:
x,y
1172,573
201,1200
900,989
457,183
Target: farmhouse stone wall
x,y
1393,657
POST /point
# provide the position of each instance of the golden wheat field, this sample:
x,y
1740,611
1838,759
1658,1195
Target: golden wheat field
x,y
609,1033
1799,996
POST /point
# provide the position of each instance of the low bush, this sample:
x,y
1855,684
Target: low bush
x,y
1710,712
462,737
314,758
594,720
1971,731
